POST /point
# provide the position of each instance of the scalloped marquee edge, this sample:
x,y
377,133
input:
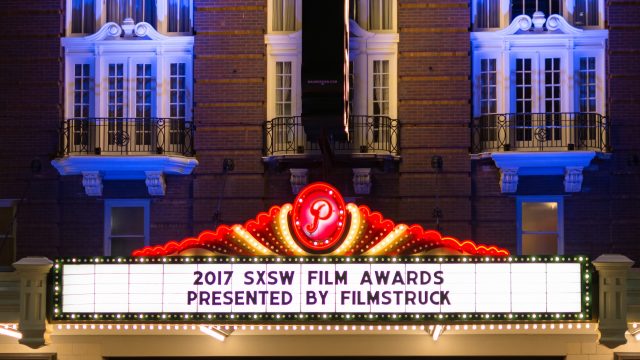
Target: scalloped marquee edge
x,y
270,234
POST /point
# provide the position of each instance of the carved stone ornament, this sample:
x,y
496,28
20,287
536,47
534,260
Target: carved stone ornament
x,y
362,181
92,182
508,180
299,179
573,179
155,183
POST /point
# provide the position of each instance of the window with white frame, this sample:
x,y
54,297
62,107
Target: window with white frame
x,y
488,98
380,96
283,98
540,225
143,104
177,102
81,104
7,233
283,15
83,16
126,226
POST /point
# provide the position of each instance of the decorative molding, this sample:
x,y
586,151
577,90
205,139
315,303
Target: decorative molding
x,y
508,180
92,182
362,181
299,179
557,22
109,30
520,23
155,183
573,178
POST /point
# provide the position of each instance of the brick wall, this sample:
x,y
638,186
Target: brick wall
x,y
29,113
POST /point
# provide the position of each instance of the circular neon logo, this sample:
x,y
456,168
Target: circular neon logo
x,y
319,216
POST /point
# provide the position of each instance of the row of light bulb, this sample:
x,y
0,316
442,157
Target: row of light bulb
x,y
465,327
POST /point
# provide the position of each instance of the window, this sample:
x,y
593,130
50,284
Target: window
x,y
380,96
528,7
179,16
524,103
552,99
488,99
177,103
585,13
284,15
7,233
283,89
143,104
380,14
540,225
83,16
488,14
138,10
587,122
81,105
126,226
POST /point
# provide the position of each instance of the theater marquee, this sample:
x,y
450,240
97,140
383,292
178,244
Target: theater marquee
x,y
321,260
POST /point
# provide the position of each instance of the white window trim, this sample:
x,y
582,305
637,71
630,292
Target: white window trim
x,y
159,51
504,19
284,48
162,19
540,198
568,43
108,204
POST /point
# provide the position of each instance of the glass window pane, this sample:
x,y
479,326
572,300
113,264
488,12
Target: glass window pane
x,y
123,246
127,221
539,244
540,216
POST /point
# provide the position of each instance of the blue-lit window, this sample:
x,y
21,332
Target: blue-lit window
x,y
144,104
179,12
138,10
585,13
487,14
83,19
528,7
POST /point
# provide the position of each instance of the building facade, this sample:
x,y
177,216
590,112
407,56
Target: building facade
x,y
133,123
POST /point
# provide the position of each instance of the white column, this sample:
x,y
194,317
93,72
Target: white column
x,y
612,286
32,272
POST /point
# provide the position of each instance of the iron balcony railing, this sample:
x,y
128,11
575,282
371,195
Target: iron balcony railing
x,y
540,132
367,134
126,136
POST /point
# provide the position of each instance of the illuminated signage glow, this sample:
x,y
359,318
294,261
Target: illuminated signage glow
x,y
320,288
319,222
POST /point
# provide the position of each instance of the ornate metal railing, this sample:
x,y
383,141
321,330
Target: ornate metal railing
x,y
126,136
367,134
540,132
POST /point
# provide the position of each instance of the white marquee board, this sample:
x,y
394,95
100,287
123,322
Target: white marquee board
x,y
333,287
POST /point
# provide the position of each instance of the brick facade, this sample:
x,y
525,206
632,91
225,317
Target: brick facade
x,y
434,91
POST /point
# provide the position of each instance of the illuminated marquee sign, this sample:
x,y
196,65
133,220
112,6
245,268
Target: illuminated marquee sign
x,y
320,288
320,259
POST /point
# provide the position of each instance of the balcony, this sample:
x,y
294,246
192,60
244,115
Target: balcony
x,y
370,137
540,144
125,149
540,132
